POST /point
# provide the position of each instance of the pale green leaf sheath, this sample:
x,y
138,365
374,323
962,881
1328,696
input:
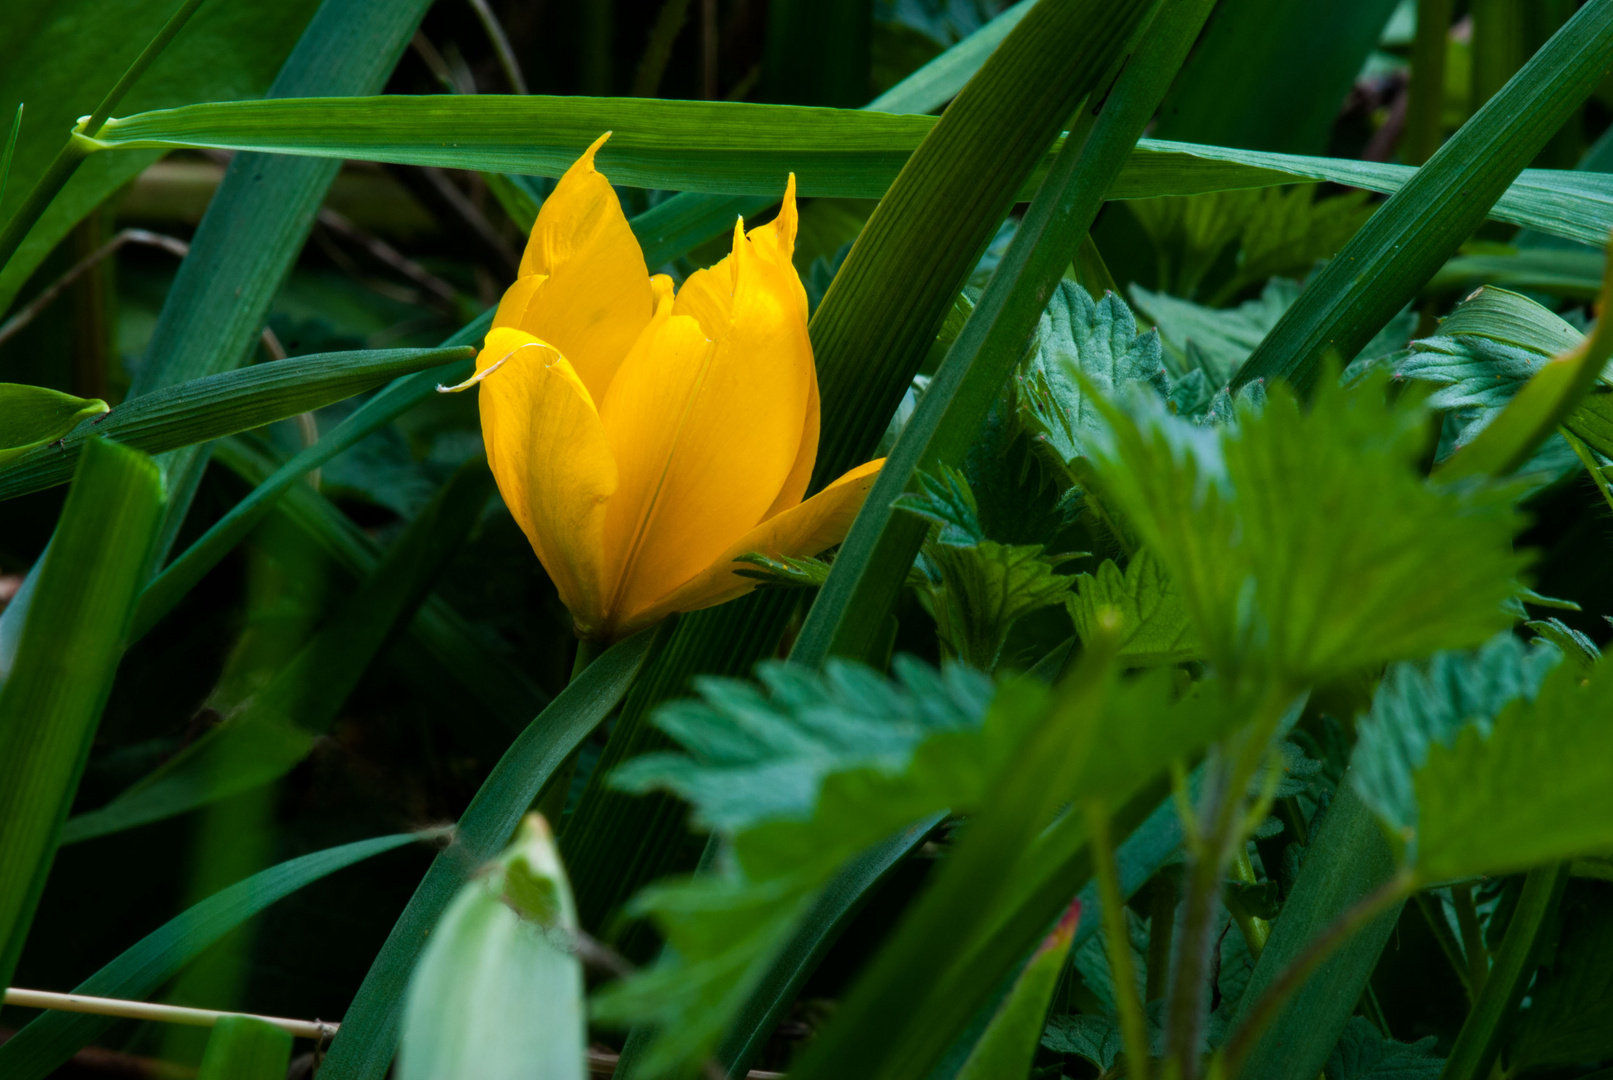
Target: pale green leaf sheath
x,y
498,993
31,416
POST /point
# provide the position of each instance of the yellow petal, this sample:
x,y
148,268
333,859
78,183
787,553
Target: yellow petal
x,y
806,529
512,307
548,452
596,298
706,437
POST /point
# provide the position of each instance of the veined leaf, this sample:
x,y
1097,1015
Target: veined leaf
x,y
738,148
1419,706
31,416
1309,542
1570,1014
67,655
218,405
1141,610
1364,1054
498,993
1530,791
139,971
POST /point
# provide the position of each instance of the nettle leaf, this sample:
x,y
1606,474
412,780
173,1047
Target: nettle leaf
x,y
1096,1039
1420,705
1290,230
1570,1015
32,416
1308,542
1082,339
1219,340
1531,790
758,753
1016,494
1364,1054
1190,232
976,589
1141,609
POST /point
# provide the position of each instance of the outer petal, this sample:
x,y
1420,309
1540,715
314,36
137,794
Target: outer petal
x,y
549,454
805,529
597,297
710,436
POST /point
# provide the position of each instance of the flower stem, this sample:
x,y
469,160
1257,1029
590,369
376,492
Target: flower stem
x,y
551,801
1133,1024
1255,930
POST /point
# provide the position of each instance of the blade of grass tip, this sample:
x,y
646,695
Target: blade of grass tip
x,y
369,1033
1419,227
257,221
871,567
78,147
68,653
47,1042
869,335
218,405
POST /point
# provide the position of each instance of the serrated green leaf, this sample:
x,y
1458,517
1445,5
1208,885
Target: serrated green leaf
x,y
1078,339
498,992
1364,1054
1096,1039
1532,790
223,404
1140,609
1291,230
31,416
1308,542
1418,706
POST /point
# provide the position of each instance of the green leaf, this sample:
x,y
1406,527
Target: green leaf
x,y
1141,610
1309,543
498,992
278,725
1219,341
801,572
245,1048
802,778
1096,1039
1010,1040
141,970
1079,339
1364,1054
1570,1014
62,57
1573,273
1421,226
1419,706
32,416
1529,791
1347,859
218,405
370,1027
59,678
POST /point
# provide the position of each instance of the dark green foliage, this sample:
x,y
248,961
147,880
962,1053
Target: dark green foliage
x,y
1364,1054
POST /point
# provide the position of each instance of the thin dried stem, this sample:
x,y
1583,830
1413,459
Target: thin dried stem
x,y
501,45
39,303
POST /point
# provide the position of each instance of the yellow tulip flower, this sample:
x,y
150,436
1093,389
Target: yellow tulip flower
x,y
644,440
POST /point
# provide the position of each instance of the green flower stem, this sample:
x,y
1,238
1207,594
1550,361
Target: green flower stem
x,y
1133,1025
1467,921
1255,930
1478,1044
551,801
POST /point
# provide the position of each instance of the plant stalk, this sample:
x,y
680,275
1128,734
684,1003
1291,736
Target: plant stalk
x,y
1133,1023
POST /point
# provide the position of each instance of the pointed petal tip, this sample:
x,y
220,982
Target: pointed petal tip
x,y
587,158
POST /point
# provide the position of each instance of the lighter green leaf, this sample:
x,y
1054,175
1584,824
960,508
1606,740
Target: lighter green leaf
x,y
31,416
1309,543
245,1048
984,589
498,993
1533,791
1008,1045
1145,611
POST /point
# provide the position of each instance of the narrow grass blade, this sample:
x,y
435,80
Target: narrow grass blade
x,y
280,723
369,1033
257,222
245,1048
46,1043
872,564
1347,860
1421,226
66,658
11,151
218,405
